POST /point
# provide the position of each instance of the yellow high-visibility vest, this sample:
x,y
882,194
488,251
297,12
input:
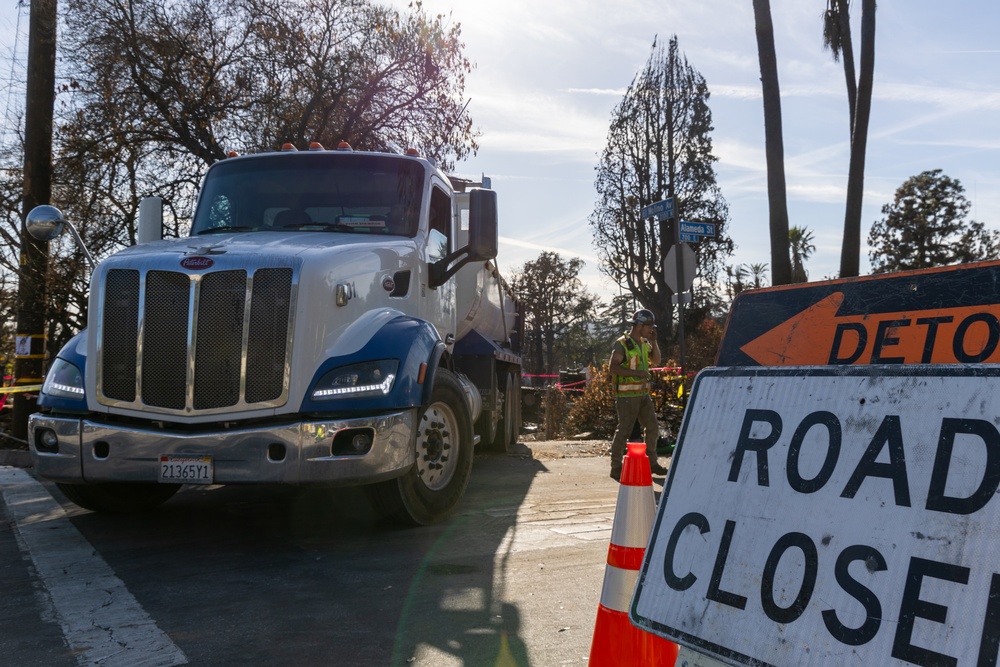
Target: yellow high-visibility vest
x,y
636,358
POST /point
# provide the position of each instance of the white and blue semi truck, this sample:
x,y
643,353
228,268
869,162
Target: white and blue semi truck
x,y
334,317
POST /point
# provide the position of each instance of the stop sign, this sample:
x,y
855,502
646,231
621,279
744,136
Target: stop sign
x,y
687,266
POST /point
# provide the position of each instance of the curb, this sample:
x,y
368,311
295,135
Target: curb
x,y
17,458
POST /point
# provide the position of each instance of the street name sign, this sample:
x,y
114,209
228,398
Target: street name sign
x,y
831,516
946,315
698,228
690,238
662,209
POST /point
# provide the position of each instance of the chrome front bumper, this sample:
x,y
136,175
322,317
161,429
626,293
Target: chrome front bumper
x,y
298,453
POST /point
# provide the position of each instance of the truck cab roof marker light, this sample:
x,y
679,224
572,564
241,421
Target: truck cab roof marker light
x,y
344,146
316,146
413,152
288,147
232,154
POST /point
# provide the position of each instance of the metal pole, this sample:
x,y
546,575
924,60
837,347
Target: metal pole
x,y
680,291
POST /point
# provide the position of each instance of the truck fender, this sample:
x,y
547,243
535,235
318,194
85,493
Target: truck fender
x,y
411,341
359,333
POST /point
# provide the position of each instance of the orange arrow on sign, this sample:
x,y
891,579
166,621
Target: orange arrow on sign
x,y
818,336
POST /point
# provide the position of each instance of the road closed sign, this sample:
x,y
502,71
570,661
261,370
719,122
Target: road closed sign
x,y
832,516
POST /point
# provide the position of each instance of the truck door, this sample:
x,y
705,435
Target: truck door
x,y
440,302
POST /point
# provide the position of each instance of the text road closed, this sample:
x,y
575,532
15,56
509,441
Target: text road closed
x,y
826,516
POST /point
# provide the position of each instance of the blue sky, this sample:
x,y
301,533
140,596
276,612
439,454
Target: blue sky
x,y
548,75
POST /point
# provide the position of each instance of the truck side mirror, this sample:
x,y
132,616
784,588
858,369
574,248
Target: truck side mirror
x,y
46,223
482,238
482,225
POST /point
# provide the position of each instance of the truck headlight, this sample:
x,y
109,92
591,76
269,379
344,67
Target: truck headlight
x,y
370,378
64,380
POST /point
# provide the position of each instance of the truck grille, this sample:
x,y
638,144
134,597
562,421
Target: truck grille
x,y
230,350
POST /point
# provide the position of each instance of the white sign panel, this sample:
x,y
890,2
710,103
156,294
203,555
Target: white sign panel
x,y
22,345
832,516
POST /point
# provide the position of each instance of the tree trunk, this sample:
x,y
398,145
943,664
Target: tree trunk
x,y
847,53
850,255
781,268
550,351
539,354
31,299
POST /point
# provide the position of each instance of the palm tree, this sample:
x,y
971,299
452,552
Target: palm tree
x,y
774,148
758,274
836,34
745,276
800,241
735,280
837,38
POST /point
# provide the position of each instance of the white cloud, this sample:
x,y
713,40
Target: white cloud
x,y
565,252
613,92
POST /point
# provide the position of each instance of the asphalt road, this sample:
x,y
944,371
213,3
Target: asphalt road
x,y
278,576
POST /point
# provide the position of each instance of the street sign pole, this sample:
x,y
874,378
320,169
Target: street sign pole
x,y
680,283
664,211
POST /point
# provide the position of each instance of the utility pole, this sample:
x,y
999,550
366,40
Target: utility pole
x,y
29,355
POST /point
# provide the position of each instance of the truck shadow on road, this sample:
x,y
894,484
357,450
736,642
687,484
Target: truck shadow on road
x,y
283,576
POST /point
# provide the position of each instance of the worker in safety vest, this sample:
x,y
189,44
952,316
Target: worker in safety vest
x,y
632,356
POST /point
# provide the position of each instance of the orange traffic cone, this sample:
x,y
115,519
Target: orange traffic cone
x,y
616,641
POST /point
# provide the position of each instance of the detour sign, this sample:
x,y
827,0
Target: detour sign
x,y
833,516
945,316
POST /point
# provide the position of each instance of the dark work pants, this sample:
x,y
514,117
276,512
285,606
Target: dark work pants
x,y
629,409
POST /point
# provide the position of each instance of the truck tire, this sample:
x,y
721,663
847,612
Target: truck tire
x,y
515,406
487,429
117,498
509,428
431,489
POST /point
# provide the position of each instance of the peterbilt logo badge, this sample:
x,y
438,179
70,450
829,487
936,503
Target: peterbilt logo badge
x,y
197,262
388,284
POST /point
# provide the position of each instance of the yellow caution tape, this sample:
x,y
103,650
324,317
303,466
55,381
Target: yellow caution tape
x,y
20,390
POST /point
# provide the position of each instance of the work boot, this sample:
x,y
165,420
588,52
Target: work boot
x,y
656,468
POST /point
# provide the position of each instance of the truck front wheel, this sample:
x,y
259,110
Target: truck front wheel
x,y
434,485
117,498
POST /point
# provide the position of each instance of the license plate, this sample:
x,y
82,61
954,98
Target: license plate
x,y
187,469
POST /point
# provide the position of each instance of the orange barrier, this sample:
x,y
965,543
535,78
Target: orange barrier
x,y
616,641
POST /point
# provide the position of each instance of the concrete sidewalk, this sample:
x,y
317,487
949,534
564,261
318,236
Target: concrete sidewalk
x,y
17,458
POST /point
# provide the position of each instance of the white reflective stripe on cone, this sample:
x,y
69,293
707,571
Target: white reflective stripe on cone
x,y
618,587
634,516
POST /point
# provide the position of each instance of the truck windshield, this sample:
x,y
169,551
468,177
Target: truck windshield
x,y
312,192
